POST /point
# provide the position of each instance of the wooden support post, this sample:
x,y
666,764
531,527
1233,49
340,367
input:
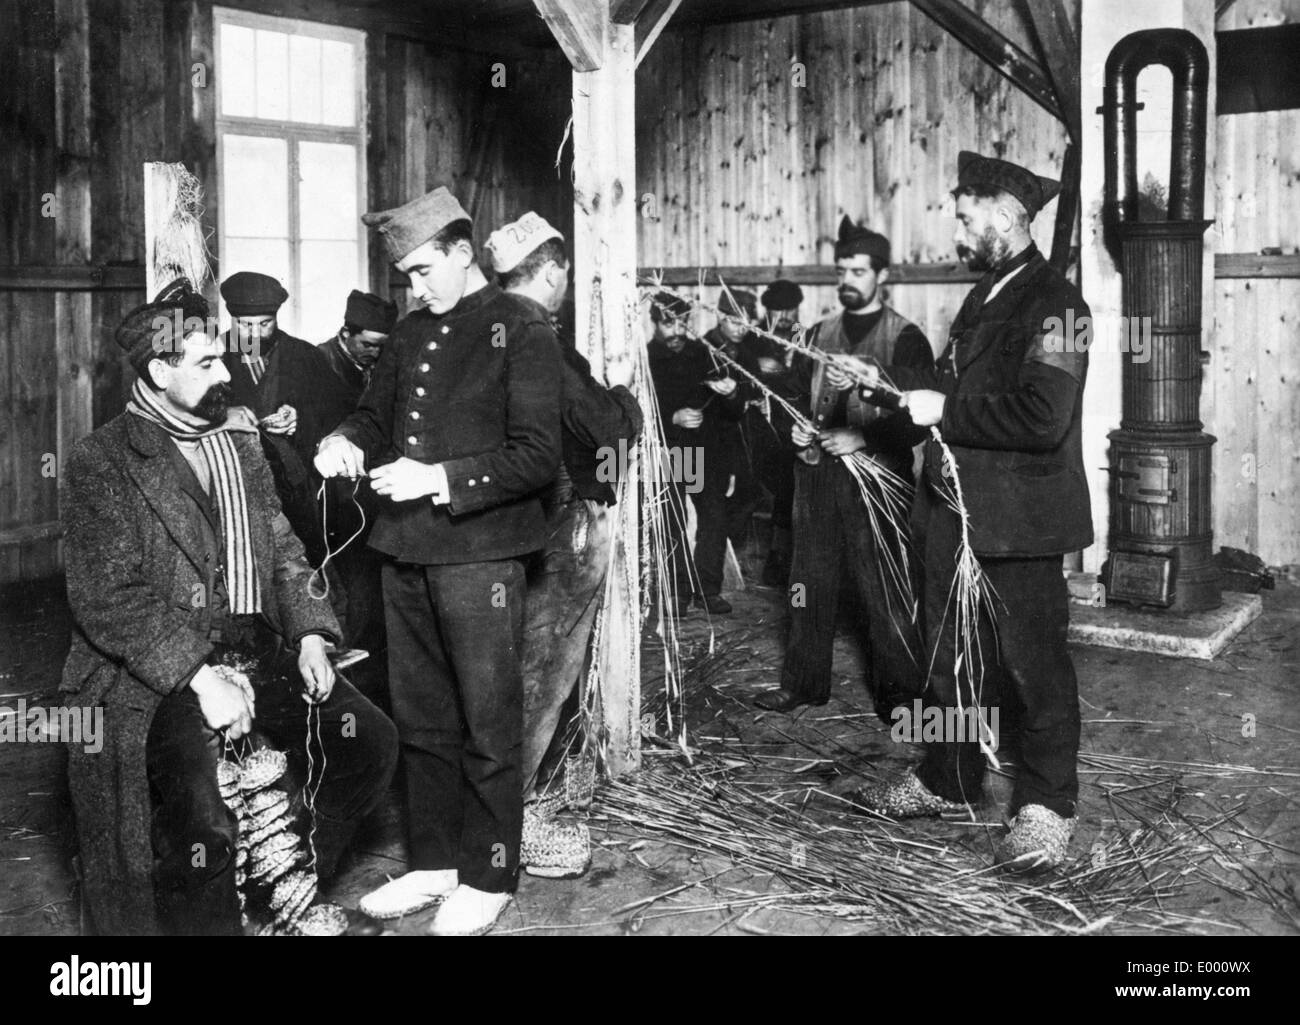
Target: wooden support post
x,y
603,55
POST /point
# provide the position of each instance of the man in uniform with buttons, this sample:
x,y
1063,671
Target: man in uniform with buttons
x,y
459,429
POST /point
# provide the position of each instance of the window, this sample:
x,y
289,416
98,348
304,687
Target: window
x,y
291,161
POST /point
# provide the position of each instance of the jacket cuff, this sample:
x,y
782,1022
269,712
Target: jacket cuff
x,y
470,486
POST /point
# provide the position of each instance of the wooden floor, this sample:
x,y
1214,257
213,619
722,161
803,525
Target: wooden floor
x,y
641,882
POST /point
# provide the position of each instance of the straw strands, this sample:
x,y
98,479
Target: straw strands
x,y
904,884
179,248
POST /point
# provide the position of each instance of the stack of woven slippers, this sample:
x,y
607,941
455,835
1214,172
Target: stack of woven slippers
x,y
272,865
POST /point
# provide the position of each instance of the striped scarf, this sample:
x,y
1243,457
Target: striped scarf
x,y
222,457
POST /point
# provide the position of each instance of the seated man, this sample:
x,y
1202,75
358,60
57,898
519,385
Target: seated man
x,y
179,558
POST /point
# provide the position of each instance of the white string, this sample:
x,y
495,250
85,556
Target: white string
x,y
324,524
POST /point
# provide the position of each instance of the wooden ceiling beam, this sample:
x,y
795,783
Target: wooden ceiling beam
x,y
994,49
579,27
626,12
1058,48
651,21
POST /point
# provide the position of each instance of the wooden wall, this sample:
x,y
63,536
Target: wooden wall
x,y
1252,395
746,166
92,89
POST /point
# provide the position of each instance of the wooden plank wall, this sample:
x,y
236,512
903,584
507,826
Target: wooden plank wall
x,y
450,121
92,89
747,167
1252,393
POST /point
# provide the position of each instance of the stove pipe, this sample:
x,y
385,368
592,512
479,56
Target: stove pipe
x,y
1160,458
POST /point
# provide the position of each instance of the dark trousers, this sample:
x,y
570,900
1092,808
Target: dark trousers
x,y
1025,660
564,595
720,518
194,833
833,536
774,461
455,634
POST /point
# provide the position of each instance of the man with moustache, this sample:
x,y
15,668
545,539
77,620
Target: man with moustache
x,y
192,619
460,431
279,378
726,513
832,528
1008,401
774,455
700,405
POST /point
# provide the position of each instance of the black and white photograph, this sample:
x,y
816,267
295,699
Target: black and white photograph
x,y
591,468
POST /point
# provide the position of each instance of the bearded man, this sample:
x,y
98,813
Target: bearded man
x,y
181,566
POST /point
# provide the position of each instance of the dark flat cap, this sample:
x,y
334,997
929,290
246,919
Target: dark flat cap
x,y
367,312
1033,191
782,295
408,227
856,240
666,304
162,324
249,294
736,301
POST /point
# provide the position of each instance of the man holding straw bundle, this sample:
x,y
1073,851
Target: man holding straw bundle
x,y
833,528
1007,403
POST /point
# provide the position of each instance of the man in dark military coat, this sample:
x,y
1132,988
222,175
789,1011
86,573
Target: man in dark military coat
x,y
1007,397
459,431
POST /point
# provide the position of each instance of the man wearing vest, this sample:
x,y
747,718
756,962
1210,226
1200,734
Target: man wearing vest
x,y
1008,401
459,430
832,528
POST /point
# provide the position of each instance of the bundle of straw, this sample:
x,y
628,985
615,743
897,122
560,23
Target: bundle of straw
x,y
178,247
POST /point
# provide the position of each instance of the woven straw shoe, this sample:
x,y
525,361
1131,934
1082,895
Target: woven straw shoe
x,y
1038,840
408,894
905,798
469,912
552,849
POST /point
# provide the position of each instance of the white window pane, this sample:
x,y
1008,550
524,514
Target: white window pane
x,y
272,74
338,86
327,191
237,74
330,270
262,255
255,186
304,79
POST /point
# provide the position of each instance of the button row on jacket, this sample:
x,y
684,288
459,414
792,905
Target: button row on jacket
x,y
472,481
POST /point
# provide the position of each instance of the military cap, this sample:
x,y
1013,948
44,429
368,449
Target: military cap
x,y
1033,191
856,240
405,228
162,324
249,294
510,243
736,302
782,295
367,312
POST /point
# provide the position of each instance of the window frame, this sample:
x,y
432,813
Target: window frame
x,y
293,133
